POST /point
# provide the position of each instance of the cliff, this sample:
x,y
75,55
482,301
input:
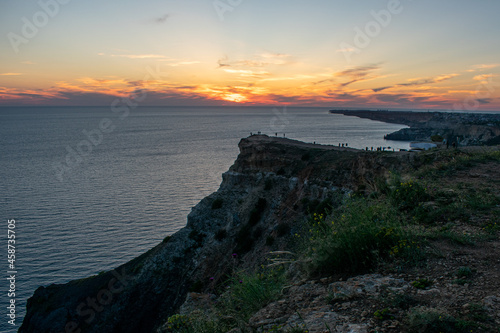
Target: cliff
x,y
259,197
264,200
466,128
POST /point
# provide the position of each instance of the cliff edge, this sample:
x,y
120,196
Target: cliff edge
x,y
265,200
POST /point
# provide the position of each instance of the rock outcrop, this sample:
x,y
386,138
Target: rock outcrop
x,y
258,207
465,128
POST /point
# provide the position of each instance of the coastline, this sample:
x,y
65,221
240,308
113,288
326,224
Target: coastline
x,y
467,129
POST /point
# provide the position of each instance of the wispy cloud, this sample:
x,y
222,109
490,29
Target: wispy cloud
x,y
357,74
484,77
184,63
135,56
345,50
482,67
419,82
156,20
261,60
484,100
161,19
245,72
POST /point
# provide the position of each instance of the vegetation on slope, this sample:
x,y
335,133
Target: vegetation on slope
x,y
400,226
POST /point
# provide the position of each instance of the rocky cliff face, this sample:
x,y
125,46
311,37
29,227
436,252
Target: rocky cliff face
x,y
259,205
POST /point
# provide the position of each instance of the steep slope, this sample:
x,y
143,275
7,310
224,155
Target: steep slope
x,y
261,198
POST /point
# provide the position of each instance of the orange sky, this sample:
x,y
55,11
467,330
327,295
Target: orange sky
x,y
375,54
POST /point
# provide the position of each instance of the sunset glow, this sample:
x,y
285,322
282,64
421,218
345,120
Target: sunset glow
x,y
394,54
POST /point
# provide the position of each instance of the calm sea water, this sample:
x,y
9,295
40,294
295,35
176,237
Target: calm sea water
x,y
86,202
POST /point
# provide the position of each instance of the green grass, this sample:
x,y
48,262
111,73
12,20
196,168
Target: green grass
x,y
246,293
251,292
422,283
356,238
428,320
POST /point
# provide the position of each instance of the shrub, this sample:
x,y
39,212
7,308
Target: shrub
x,y
217,203
383,314
437,138
464,272
421,283
429,320
360,235
196,322
249,293
197,237
408,195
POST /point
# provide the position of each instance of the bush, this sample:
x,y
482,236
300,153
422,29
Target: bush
x,y
437,138
422,283
408,195
429,320
196,322
360,235
464,272
197,237
249,293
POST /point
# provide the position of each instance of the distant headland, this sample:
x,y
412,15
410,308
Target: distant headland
x,y
469,129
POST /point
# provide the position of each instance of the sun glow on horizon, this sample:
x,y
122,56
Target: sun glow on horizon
x,y
184,54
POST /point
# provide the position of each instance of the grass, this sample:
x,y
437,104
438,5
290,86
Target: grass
x,y
356,238
422,283
429,320
364,234
246,294
251,292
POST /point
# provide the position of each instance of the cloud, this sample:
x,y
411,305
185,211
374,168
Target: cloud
x,y
135,56
161,19
156,20
484,100
184,63
246,73
11,74
484,77
261,60
481,67
346,50
419,82
356,74
359,71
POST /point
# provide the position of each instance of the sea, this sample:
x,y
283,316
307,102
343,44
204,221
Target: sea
x,y
85,189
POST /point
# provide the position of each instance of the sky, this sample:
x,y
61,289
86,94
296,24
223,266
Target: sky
x,y
411,54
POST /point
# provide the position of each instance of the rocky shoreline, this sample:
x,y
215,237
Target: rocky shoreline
x,y
262,204
467,129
